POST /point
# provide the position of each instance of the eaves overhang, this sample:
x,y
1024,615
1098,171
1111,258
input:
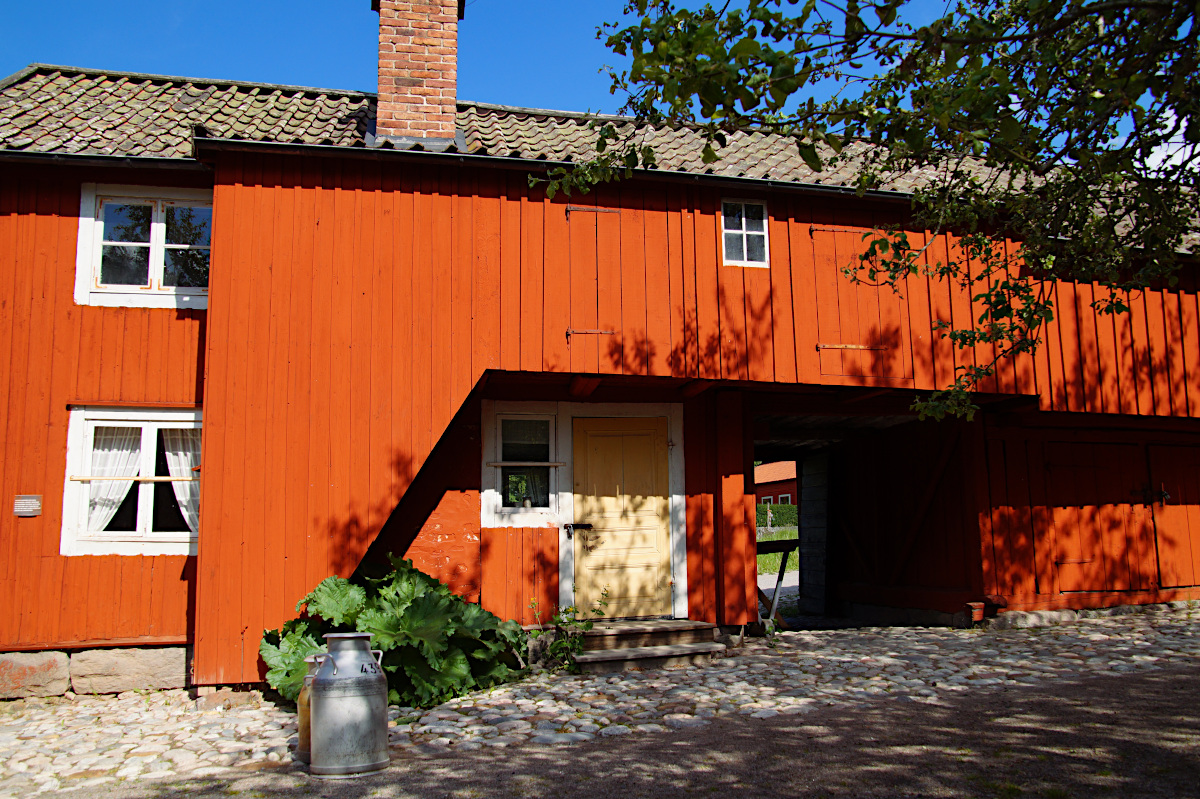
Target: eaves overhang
x,y
204,148
103,161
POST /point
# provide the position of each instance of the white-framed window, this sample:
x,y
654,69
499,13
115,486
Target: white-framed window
x,y
744,233
525,463
765,501
132,483
143,247
785,499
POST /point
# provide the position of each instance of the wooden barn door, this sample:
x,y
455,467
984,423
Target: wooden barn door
x,y
1175,488
1103,530
862,330
620,468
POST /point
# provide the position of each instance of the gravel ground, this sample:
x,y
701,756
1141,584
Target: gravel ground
x,y
1130,736
1105,705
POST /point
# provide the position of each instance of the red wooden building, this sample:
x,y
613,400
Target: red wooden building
x,y
775,483
389,342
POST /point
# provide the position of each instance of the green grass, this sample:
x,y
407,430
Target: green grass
x,y
769,564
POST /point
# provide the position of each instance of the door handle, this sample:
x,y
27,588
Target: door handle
x,y
571,528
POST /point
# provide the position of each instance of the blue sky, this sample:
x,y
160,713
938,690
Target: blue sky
x,y
540,53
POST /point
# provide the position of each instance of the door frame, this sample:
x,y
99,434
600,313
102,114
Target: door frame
x,y
563,511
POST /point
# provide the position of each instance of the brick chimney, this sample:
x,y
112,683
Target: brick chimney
x,y
418,71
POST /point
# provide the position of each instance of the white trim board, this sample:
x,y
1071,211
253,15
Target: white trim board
x,y
563,499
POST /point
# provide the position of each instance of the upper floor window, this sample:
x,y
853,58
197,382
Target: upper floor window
x,y
745,233
143,247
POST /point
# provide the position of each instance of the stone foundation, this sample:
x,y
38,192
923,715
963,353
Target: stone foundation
x,y
111,671
33,674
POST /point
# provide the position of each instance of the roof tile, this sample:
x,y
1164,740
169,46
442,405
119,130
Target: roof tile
x,y
63,109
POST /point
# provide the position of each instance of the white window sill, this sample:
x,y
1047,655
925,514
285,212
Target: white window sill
x,y
148,547
128,299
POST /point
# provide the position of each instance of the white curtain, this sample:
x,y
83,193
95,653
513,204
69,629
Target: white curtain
x,y
116,452
183,454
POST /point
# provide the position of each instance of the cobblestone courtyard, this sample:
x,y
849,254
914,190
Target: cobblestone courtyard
x,y
135,740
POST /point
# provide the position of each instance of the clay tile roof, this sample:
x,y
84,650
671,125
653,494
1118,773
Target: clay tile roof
x,y
774,472
69,110
57,109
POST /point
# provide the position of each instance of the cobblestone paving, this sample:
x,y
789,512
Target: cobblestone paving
x,y
78,742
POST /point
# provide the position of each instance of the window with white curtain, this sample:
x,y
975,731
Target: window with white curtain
x,y
132,483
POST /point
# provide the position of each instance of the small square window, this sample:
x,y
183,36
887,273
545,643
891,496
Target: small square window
x,y
133,482
525,455
143,247
744,233
785,499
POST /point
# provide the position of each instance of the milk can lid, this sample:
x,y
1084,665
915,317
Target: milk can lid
x,y
346,635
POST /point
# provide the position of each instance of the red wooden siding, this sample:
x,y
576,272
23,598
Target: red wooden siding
x,y
1093,516
58,354
356,304
519,568
722,565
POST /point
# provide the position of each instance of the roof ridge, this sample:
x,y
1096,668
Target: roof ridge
x,y
20,75
516,109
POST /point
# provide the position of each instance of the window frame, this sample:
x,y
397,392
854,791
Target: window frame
x,y
782,497
532,516
76,539
766,233
89,247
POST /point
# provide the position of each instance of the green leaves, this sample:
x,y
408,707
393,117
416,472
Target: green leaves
x,y
335,599
435,644
284,651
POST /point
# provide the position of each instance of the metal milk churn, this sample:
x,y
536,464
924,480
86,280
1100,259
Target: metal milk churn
x,y
303,704
348,707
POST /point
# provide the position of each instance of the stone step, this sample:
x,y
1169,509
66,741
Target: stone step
x,y
649,632
641,658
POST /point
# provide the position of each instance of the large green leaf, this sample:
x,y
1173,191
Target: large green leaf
x,y
426,624
285,661
335,599
385,628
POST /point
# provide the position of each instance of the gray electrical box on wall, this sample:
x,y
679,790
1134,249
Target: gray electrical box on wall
x,y
28,505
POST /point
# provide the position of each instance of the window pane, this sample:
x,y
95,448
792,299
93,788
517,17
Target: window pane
x,y
525,439
166,516
125,266
124,520
112,504
125,222
525,486
754,217
756,248
186,268
733,216
188,225
733,247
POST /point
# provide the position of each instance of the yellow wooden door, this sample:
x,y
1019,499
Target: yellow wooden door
x,y
621,490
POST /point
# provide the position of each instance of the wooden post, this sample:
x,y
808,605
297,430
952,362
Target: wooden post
x,y
737,571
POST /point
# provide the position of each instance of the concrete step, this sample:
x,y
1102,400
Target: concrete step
x,y
647,632
640,658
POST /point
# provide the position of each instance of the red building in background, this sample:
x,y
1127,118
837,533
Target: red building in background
x,y
775,483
